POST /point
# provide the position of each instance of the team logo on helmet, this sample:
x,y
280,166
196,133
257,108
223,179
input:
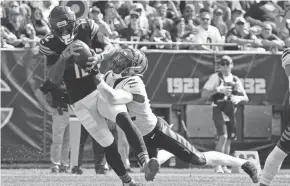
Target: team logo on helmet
x,y
129,62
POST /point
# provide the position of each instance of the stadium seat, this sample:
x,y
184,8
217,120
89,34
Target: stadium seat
x,y
245,155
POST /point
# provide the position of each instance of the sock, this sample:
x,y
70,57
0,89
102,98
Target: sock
x,y
114,160
272,165
163,156
134,136
218,158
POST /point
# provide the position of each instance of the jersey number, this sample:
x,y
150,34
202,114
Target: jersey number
x,y
80,73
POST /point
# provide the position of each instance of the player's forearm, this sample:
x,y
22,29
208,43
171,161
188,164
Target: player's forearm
x,y
56,71
108,52
115,97
42,100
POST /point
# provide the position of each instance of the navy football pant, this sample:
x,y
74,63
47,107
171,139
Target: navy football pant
x,y
164,138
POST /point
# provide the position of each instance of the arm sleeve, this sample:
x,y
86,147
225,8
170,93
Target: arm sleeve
x,y
212,82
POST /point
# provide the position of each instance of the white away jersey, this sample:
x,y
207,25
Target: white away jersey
x,y
139,109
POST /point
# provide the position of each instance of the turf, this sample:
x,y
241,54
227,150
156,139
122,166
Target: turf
x,y
167,177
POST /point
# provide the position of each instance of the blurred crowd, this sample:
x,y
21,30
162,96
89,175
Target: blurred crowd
x,y
238,25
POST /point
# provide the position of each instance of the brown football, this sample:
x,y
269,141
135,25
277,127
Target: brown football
x,y
85,53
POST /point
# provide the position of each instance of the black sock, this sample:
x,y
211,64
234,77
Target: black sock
x,y
114,160
133,135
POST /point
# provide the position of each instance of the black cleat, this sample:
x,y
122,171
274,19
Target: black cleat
x,y
101,171
55,169
252,169
77,170
63,169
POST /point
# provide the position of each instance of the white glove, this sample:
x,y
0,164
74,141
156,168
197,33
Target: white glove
x,y
227,90
71,50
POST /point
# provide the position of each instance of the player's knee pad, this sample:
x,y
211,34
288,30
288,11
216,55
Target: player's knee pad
x,y
198,158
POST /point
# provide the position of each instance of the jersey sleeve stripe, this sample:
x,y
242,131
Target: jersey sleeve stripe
x,y
94,29
45,50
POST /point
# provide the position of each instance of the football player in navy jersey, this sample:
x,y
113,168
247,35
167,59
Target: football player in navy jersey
x,y
123,82
88,105
282,149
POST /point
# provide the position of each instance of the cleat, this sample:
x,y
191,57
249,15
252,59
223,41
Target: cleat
x,y
252,169
55,169
76,170
63,169
219,169
226,170
132,183
151,169
101,170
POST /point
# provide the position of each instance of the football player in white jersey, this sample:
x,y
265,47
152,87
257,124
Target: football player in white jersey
x,y
282,149
123,82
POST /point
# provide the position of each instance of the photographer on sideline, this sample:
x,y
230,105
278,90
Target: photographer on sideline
x,y
60,147
225,91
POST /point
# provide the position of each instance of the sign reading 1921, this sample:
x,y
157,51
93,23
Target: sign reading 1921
x,y
182,85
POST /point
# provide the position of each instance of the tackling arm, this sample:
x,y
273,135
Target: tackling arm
x,y
56,71
115,97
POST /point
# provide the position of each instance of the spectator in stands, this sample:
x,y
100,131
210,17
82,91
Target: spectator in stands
x,y
225,91
265,11
160,34
235,13
149,10
270,41
218,22
133,32
206,32
285,26
15,23
104,28
162,13
173,9
143,21
40,25
25,12
6,38
113,18
125,8
178,34
241,36
191,21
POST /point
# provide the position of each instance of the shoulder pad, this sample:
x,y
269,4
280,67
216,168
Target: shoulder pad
x,y
134,85
88,24
46,44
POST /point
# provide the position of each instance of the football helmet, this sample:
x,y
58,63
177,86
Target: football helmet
x,y
62,21
128,62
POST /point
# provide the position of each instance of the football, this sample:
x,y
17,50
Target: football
x,y
85,53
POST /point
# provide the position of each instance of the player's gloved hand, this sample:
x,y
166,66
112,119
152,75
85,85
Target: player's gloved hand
x,y
94,62
71,50
100,76
227,90
236,99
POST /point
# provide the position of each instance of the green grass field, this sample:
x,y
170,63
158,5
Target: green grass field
x,y
167,177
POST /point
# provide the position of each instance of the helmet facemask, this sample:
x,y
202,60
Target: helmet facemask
x,y
64,30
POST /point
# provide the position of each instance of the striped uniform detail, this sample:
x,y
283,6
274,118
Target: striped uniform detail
x,y
181,140
285,57
44,49
286,135
94,28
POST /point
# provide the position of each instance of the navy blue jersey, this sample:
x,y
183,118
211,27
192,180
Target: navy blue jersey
x,y
78,82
